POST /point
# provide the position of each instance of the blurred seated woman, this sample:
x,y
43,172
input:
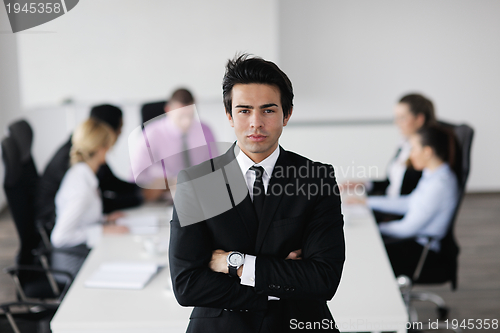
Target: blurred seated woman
x,y
428,210
411,113
78,203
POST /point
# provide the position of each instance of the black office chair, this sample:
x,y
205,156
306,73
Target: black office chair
x,y
26,316
152,110
31,274
445,269
20,184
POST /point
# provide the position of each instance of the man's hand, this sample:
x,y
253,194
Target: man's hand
x,y
295,255
219,262
114,216
115,229
355,200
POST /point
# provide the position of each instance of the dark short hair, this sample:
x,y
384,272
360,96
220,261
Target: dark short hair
x,y
245,70
442,141
183,96
109,114
420,105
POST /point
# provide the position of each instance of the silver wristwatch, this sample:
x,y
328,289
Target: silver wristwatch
x,y
234,261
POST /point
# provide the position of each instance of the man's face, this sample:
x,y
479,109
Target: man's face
x,y
257,118
182,115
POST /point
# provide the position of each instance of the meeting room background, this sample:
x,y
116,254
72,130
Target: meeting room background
x,y
349,62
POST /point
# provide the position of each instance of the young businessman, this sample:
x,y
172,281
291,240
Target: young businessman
x,y
257,240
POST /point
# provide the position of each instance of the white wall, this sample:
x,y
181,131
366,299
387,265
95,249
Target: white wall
x,y
346,59
126,53
123,50
354,59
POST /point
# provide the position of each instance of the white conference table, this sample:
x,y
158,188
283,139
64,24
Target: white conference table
x,y
368,298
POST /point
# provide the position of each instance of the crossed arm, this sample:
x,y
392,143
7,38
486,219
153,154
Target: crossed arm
x,y
218,263
199,274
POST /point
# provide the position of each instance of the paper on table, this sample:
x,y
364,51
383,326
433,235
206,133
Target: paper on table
x,y
140,225
122,275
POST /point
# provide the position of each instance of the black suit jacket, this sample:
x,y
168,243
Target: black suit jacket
x,y
116,193
297,219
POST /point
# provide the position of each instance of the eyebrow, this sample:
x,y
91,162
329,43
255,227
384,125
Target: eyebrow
x,y
265,106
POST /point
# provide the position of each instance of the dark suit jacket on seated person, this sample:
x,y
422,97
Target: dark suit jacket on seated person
x,y
301,211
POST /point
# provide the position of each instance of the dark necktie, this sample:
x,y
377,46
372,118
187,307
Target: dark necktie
x,y
258,191
185,152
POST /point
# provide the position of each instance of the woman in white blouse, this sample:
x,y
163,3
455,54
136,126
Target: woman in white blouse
x,y
78,202
428,210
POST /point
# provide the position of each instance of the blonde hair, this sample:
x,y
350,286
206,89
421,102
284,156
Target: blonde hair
x,y
88,138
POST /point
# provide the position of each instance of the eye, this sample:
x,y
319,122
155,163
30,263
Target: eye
x,y
244,111
269,111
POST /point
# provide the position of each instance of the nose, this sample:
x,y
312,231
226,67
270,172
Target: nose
x,y
256,120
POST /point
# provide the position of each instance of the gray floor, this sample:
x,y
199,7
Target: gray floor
x,y
477,231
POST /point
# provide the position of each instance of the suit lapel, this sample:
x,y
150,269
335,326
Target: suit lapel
x,y
275,192
236,181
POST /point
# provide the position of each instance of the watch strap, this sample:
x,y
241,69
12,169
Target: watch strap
x,y
233,271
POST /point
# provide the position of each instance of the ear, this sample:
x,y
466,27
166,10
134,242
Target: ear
x,y
285,120
230,118
428,152
166,108
420,120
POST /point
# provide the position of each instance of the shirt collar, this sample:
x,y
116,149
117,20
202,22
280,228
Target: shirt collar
x,y
246,162
88,173
442,168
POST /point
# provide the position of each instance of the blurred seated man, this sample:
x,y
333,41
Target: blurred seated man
x,y
175,141
116,193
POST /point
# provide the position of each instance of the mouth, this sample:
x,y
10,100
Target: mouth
x,y
256,137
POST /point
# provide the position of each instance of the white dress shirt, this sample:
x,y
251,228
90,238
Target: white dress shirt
x,y
78,207
245,163
427,210
397,169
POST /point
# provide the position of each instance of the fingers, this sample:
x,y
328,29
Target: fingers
x,y
117,215
354,200
295,255
115,229
114,216
218,263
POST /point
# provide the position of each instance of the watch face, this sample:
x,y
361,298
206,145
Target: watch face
x,y
235,259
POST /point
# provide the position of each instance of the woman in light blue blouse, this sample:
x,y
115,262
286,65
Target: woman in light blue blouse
x,y
427,211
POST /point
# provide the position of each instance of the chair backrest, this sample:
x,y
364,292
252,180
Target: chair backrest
x,y
11,159
449,247
20,183
152,110
464,135
22,134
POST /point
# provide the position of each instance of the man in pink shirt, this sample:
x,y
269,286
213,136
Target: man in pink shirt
x,y
170,143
